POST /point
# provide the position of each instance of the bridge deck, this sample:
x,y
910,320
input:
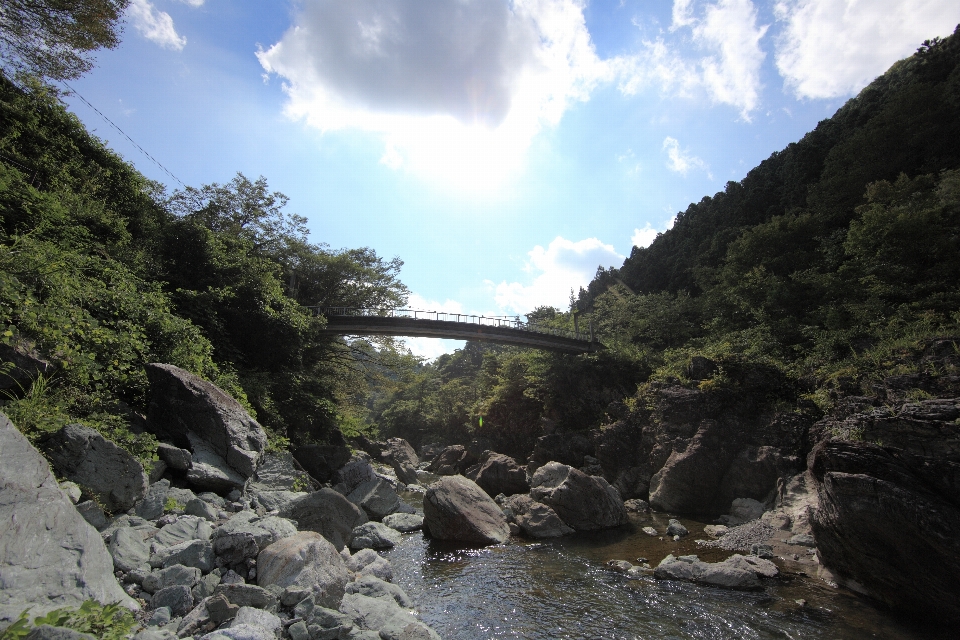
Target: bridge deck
x,y
359,325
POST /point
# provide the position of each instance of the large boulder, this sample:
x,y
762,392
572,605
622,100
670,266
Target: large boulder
x,y
400,455
305,560
322,460
689,482
535,519
732,573
452,460
583,502
182,403
455,508
50,557
376,497
102,468
328,513
887,525
497,473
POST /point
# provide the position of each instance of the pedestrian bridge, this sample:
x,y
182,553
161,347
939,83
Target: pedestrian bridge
x,y
456,326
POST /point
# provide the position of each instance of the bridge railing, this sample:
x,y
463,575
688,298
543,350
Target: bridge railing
x,y
506,322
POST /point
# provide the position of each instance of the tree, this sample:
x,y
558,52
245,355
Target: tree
x,y
55,38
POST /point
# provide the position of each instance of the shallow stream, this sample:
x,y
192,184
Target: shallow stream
x,y
562,589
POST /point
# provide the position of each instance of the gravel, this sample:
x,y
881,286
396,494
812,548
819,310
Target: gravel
x,y
741,537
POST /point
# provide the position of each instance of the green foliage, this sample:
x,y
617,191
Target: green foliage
x,y
109,622
172,505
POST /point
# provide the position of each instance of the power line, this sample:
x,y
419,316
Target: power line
x,y
124,133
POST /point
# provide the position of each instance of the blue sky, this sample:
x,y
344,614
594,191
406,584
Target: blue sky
x,y
502,148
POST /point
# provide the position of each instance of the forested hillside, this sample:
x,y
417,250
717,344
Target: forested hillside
x,y
827,266
102,271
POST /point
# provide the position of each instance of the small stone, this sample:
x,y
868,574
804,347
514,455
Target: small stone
x,y
178,598
374,535
620,566
803,540
201,508
72,490
298,631
676,529
159,617
650,531
220,609
764,551
93,514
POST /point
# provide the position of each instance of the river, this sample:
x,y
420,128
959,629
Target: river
x,y
562,589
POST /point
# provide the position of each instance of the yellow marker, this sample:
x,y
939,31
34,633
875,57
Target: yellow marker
x,y
481,421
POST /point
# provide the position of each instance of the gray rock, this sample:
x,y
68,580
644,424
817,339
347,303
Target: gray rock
x,y
328,513
175,457
650,531
743,510
241,632
322,461
257,618
376,497
93,514
583,502
178,598
761,550
715,530
72,491
155,634
497,473
128,549
803,540
277,500
265,531
536,519
205,587
221,609
183,403
401,456
152,504
374,613
193,621
48,632
82,455
236,547
298,631
374,535
763,568
412,631
306,560
182,496
352,475
636,506
193,553
212,498
155,470
369,562
404,522
377,588
210,470
183,530
455,508
675,528
159,617
248,595
689,568
279,472
177,575
690,479
201,509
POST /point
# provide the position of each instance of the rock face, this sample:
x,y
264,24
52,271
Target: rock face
x,y
583,502
327,513
887,525
84,456
689,481
455,508
401,456
452,460
182,403
49,556
305,560
497,473
322,460
566,448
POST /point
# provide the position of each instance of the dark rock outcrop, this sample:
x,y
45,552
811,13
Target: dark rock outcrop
x,y
453,460
690,479
98,465
887,524
322,460
328,513
49,556
182,404
496,473
583,502
401,456
565,448
455,508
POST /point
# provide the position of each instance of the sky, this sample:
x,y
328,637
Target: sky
x,y
503,149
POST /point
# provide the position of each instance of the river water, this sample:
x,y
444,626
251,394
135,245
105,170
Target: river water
x,y
562,589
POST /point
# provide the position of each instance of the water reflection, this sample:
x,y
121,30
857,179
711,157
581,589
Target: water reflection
x,y
561,589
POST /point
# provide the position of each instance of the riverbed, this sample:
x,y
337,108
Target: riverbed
x,y
544,590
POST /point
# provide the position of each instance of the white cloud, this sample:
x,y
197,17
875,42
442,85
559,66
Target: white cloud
x,y
655,64
457,90
644,237
431,348
563,265
682,161
193,3
833,48
682,14
154,25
